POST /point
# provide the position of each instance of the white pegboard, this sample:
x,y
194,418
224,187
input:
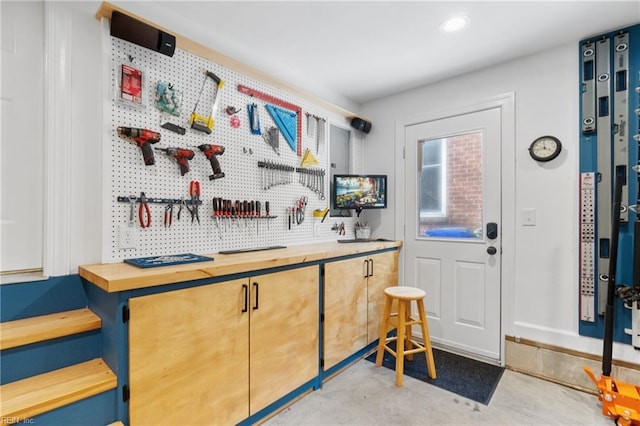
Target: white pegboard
x,y
129,176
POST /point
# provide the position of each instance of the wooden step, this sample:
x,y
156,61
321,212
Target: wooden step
x,y
38,394
45,327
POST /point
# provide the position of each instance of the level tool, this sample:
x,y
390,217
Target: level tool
x,y
588,88
621,121
603,190
198,120
283,104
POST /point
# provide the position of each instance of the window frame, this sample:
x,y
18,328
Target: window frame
x,y
442,211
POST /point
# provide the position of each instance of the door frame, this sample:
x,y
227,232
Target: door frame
x,y
506,104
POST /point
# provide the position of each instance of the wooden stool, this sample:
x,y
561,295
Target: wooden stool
x,y
404,296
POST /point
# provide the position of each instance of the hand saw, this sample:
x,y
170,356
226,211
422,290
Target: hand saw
x,y
199,121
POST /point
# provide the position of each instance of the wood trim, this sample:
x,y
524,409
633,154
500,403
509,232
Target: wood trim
x,y
45,327
567,351
202,51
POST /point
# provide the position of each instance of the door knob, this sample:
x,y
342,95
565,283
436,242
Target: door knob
x,y
491,250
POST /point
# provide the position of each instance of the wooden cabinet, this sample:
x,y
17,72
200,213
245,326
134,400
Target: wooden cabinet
x,y
383,273
218,353
283,334
345,309
353,302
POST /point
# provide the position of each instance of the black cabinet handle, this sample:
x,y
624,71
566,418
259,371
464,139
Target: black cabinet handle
x,y
246,297
371,273
365,263
256,288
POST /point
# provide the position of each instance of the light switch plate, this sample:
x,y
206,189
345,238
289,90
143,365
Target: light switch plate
x,y
127,237
528,217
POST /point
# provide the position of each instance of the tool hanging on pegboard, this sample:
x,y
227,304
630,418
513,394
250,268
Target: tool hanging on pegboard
x,y
308,159
254,119
310,124
199,121
320,132
284,104
144,138
169,101
212,151
272,138
286,122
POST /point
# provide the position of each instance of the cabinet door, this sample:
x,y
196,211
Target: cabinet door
x,y
384,274
188,352
345,309
284,333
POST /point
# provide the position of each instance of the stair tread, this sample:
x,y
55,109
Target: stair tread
x,y
44,327
35,395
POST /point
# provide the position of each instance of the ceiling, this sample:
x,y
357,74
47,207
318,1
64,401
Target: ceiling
x,y
356,51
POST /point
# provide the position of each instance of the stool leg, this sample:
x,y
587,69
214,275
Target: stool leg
x,y
431,365
383,330
409,345
402,328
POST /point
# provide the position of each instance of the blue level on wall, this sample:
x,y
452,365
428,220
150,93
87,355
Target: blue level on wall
x,y
609,93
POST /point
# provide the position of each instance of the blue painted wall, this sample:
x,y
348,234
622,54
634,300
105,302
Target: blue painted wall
x,y
588,158
27,299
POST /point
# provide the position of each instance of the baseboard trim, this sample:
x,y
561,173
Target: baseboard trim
x,y
560,365
567,351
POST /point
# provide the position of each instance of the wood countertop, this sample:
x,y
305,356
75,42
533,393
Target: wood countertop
x,y
114,277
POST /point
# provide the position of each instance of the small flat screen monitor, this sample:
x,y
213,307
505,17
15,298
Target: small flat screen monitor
x,y
359,192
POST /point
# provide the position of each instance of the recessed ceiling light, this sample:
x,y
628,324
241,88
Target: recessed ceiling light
x,y
454,24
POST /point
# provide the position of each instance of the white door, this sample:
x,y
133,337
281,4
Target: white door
x,y
452,227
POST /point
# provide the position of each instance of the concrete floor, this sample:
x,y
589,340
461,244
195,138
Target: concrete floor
x,y
365,395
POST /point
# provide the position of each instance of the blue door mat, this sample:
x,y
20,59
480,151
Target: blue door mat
x,y
466,377
167,260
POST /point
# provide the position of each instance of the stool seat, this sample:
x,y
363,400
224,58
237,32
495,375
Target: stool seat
x,y
406,346
405,293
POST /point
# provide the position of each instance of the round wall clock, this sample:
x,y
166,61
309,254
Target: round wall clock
x,y
545,148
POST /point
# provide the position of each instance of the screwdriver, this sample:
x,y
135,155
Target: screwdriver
x,y
258,214
266,209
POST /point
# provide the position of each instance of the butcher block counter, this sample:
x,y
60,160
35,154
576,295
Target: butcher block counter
x,y
246,333
115,277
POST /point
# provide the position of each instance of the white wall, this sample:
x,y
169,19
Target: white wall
x,y
542,302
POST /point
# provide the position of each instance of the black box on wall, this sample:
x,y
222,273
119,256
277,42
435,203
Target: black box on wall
x,y
360,124
134,31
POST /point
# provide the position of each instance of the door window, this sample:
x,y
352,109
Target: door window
x,y
450,187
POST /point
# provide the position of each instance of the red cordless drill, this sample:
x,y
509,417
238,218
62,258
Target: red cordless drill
x,y
211,151
143,138
181,155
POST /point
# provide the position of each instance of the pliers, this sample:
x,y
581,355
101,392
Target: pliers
x,y
168,214
182,203
194,191
144,212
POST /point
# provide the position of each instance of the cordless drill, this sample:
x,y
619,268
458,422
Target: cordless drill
x,y
211,151
181,155
143,138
